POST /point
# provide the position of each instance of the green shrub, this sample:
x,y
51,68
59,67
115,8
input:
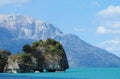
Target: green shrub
x,y
41,42
52,48
58,45
35,44
50,41
27,48
26,57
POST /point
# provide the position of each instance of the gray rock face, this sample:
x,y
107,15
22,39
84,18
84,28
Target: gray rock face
x,y
46,55
3,59
19,63
50,55
55,62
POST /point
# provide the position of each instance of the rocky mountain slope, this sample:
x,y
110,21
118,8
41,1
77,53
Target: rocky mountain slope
x,y
17,30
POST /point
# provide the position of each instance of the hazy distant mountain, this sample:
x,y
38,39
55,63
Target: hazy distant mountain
x,y
17,30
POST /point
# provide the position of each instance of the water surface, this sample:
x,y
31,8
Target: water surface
x,y
73,73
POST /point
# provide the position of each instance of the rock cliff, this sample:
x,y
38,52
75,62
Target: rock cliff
x,y
46,55
3,59
19,63
50,55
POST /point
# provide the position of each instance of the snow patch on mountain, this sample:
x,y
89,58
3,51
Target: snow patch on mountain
x,y
28,27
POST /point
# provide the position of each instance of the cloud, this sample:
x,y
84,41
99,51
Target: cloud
x,y
110,11
7,2
111,46
108,23
101,30
109,19
104,30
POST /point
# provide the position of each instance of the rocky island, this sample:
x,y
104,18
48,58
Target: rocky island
x,y
41,56
3,59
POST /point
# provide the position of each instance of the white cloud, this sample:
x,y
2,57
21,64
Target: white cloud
x,y
104,30
110,11
101,30
7,2
109,23
111,46
109,18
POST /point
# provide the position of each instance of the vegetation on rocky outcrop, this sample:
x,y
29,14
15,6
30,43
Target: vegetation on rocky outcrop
x,y
50,55
42,55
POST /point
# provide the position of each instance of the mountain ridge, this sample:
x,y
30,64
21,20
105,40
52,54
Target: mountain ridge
x,y
18,30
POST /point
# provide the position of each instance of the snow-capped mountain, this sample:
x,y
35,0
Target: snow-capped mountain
x,y
28,27
17,30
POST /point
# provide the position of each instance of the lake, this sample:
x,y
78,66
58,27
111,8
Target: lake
x,y
73,73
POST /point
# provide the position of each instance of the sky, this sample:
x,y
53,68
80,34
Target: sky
x,y
94,21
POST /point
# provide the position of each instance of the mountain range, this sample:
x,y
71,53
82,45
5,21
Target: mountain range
x,y
17,30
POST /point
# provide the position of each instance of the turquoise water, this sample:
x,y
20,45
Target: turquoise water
x,y
73,73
